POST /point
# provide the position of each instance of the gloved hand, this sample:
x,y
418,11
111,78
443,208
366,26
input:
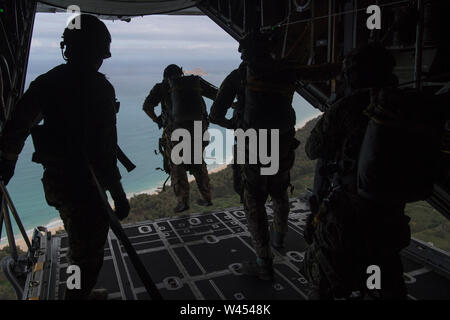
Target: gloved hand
x,y
159,122
7,169
121,205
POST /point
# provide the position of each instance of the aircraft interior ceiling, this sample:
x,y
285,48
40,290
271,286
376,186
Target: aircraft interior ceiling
x,y
120,7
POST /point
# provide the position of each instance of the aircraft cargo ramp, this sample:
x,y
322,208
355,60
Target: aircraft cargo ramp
x,y
197,257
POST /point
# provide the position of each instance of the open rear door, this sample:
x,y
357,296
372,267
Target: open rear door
x,y
440,199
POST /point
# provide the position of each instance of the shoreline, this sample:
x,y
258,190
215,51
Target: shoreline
x,y
57,224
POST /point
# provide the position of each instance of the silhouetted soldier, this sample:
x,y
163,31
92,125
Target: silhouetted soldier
x,y
375,231
269,91
78,109
269,88
232,87
181,114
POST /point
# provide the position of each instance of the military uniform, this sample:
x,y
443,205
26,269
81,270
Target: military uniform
x,y
268,105
77,106
337,137
249,183
178,173
257,189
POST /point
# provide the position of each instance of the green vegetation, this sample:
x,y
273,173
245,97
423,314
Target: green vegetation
x,y
426,223
6,290
150,207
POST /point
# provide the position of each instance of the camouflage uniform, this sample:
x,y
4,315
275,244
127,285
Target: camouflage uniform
x,y
178,173
78,109
248,182
268,105
258,187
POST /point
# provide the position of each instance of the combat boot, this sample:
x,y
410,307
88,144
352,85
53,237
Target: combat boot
x,y
261,268
181,206
277,238
98,294
204,203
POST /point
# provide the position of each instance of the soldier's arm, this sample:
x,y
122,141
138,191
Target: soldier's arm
x,y
208,90
26,114
224,100
152,100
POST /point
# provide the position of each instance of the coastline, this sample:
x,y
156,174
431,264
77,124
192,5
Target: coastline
x,y
57,225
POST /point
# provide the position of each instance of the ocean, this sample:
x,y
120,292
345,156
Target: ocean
x,y
138,135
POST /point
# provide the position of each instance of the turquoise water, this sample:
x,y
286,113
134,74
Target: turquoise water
x,y
138,135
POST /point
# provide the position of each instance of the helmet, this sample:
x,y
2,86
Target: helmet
x,y
172,70
90,37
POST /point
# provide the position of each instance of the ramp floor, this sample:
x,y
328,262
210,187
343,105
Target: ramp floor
x,y
198,257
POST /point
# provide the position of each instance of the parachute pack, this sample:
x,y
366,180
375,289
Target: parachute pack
x,y
268,100
400,150
187,101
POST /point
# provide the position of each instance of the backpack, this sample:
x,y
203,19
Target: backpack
x,y
400,150
268,99
187,101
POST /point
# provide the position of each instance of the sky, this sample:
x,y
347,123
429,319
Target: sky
x,y
149,37
142,48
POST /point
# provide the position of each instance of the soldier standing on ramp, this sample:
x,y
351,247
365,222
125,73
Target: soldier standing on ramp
x,y
268,105
269,88
178,112
77,105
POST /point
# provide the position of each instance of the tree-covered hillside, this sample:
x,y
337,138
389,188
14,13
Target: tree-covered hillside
x,y
146,207
426,223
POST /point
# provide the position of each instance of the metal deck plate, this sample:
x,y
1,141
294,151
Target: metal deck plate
x,y
198,256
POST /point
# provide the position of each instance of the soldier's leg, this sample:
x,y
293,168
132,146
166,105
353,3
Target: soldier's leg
x,y
180,184
278,186
87,229
200,173
385,250
237,176
85,222
255,196
392,283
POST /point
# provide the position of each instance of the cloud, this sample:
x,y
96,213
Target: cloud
x,y
157,36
